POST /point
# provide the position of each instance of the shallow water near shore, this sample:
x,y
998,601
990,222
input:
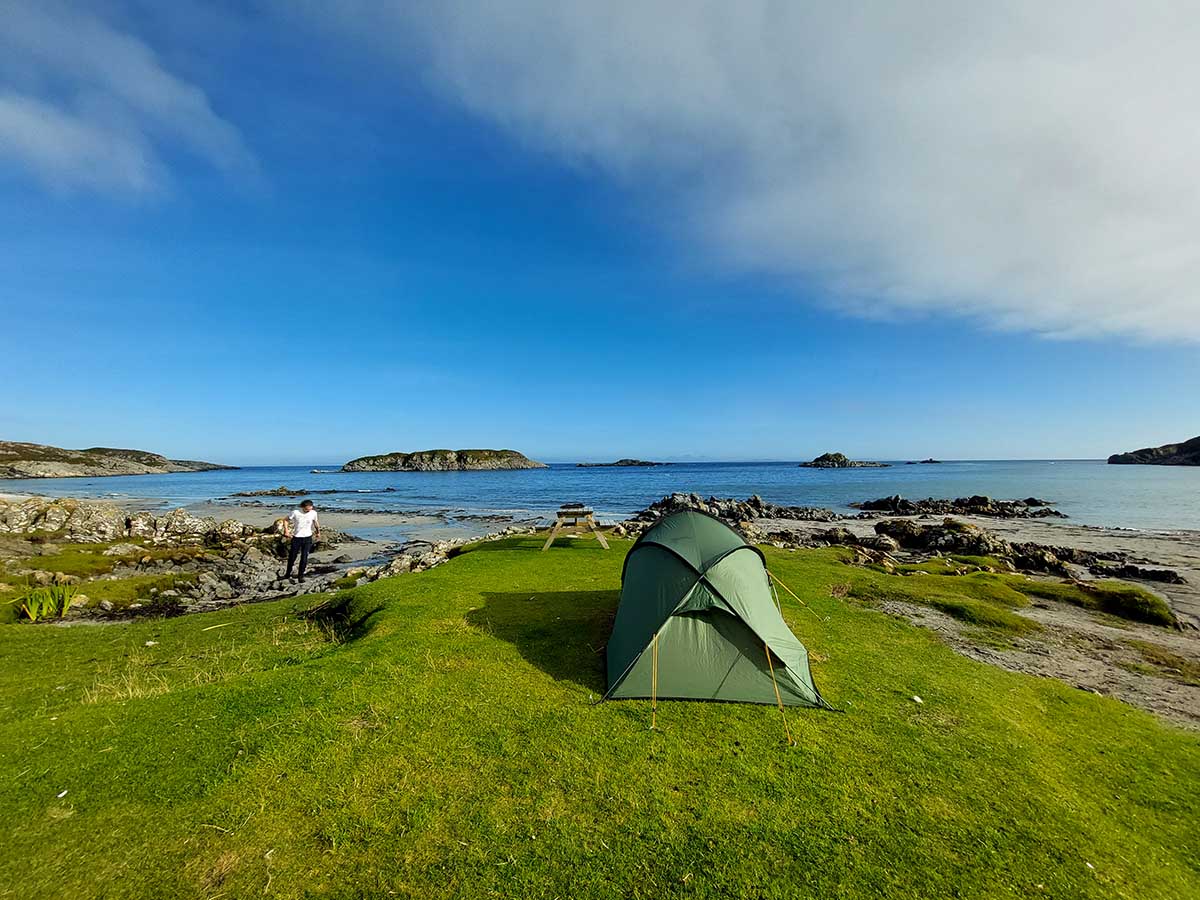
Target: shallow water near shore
x,y
1090,492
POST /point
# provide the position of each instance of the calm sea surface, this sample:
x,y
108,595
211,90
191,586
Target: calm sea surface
x,y
1089,491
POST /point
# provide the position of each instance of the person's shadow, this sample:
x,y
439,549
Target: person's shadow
x,y
563,633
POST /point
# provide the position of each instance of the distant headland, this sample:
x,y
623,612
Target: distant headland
x,y
443,461
24,460
1185,454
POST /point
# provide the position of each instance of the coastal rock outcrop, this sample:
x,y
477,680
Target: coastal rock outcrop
x,y
840,461
95,522
1185,454
730,509
208,563
24,460
953,536
442,461
978,505
950,537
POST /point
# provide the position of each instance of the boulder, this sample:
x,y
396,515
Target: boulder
x,y
211,586
95,523
232,530
141,525
180,526
881,542
122,550
838,536
951,536
904,532
54,518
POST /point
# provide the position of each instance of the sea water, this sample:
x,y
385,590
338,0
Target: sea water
x,y
1088,491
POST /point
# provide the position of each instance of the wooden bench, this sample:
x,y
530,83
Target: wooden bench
x,y
574,515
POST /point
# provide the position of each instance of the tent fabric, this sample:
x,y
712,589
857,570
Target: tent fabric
x,y
697,584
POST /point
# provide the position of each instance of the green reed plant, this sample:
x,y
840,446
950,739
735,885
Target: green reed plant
x,y
46,602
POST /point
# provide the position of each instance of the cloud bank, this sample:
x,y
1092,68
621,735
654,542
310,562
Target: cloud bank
x,y
1031,165
85,105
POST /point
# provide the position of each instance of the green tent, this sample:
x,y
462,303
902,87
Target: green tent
x,y
696,618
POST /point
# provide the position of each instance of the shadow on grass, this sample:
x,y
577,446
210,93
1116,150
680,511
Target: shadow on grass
x,y
345,619
535,542
563,633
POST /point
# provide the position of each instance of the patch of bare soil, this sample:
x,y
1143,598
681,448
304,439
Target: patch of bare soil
x,y
1152,668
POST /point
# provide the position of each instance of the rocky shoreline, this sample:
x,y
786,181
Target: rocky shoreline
x,y
966,528
177,562
754,507
1030,507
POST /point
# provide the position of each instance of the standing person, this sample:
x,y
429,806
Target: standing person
x,y
302,527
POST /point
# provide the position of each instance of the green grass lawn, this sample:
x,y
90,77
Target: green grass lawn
x,y
437,735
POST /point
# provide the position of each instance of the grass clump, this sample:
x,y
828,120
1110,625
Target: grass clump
x,y
120,592
978,598
82,560
1117,598
987,615
1167,664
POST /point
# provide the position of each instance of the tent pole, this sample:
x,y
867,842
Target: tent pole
x,y
654,684
778,698
797,599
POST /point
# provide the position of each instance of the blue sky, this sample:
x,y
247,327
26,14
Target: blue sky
x,y
303,243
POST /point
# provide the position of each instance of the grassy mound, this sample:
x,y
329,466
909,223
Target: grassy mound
x,y
437,735
1117,598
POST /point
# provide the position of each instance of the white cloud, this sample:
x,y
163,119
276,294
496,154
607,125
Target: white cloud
x,y
1034,165
83,104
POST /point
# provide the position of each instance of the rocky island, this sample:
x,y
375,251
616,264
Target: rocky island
x,y
1185,454
840,461
619,463
442,461
24,460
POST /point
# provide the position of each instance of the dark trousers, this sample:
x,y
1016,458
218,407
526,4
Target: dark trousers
x,y
303,546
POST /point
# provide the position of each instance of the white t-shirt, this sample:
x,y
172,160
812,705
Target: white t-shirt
x,y
303,522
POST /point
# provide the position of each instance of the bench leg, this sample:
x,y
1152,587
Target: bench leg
x,y
599,536
553,534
